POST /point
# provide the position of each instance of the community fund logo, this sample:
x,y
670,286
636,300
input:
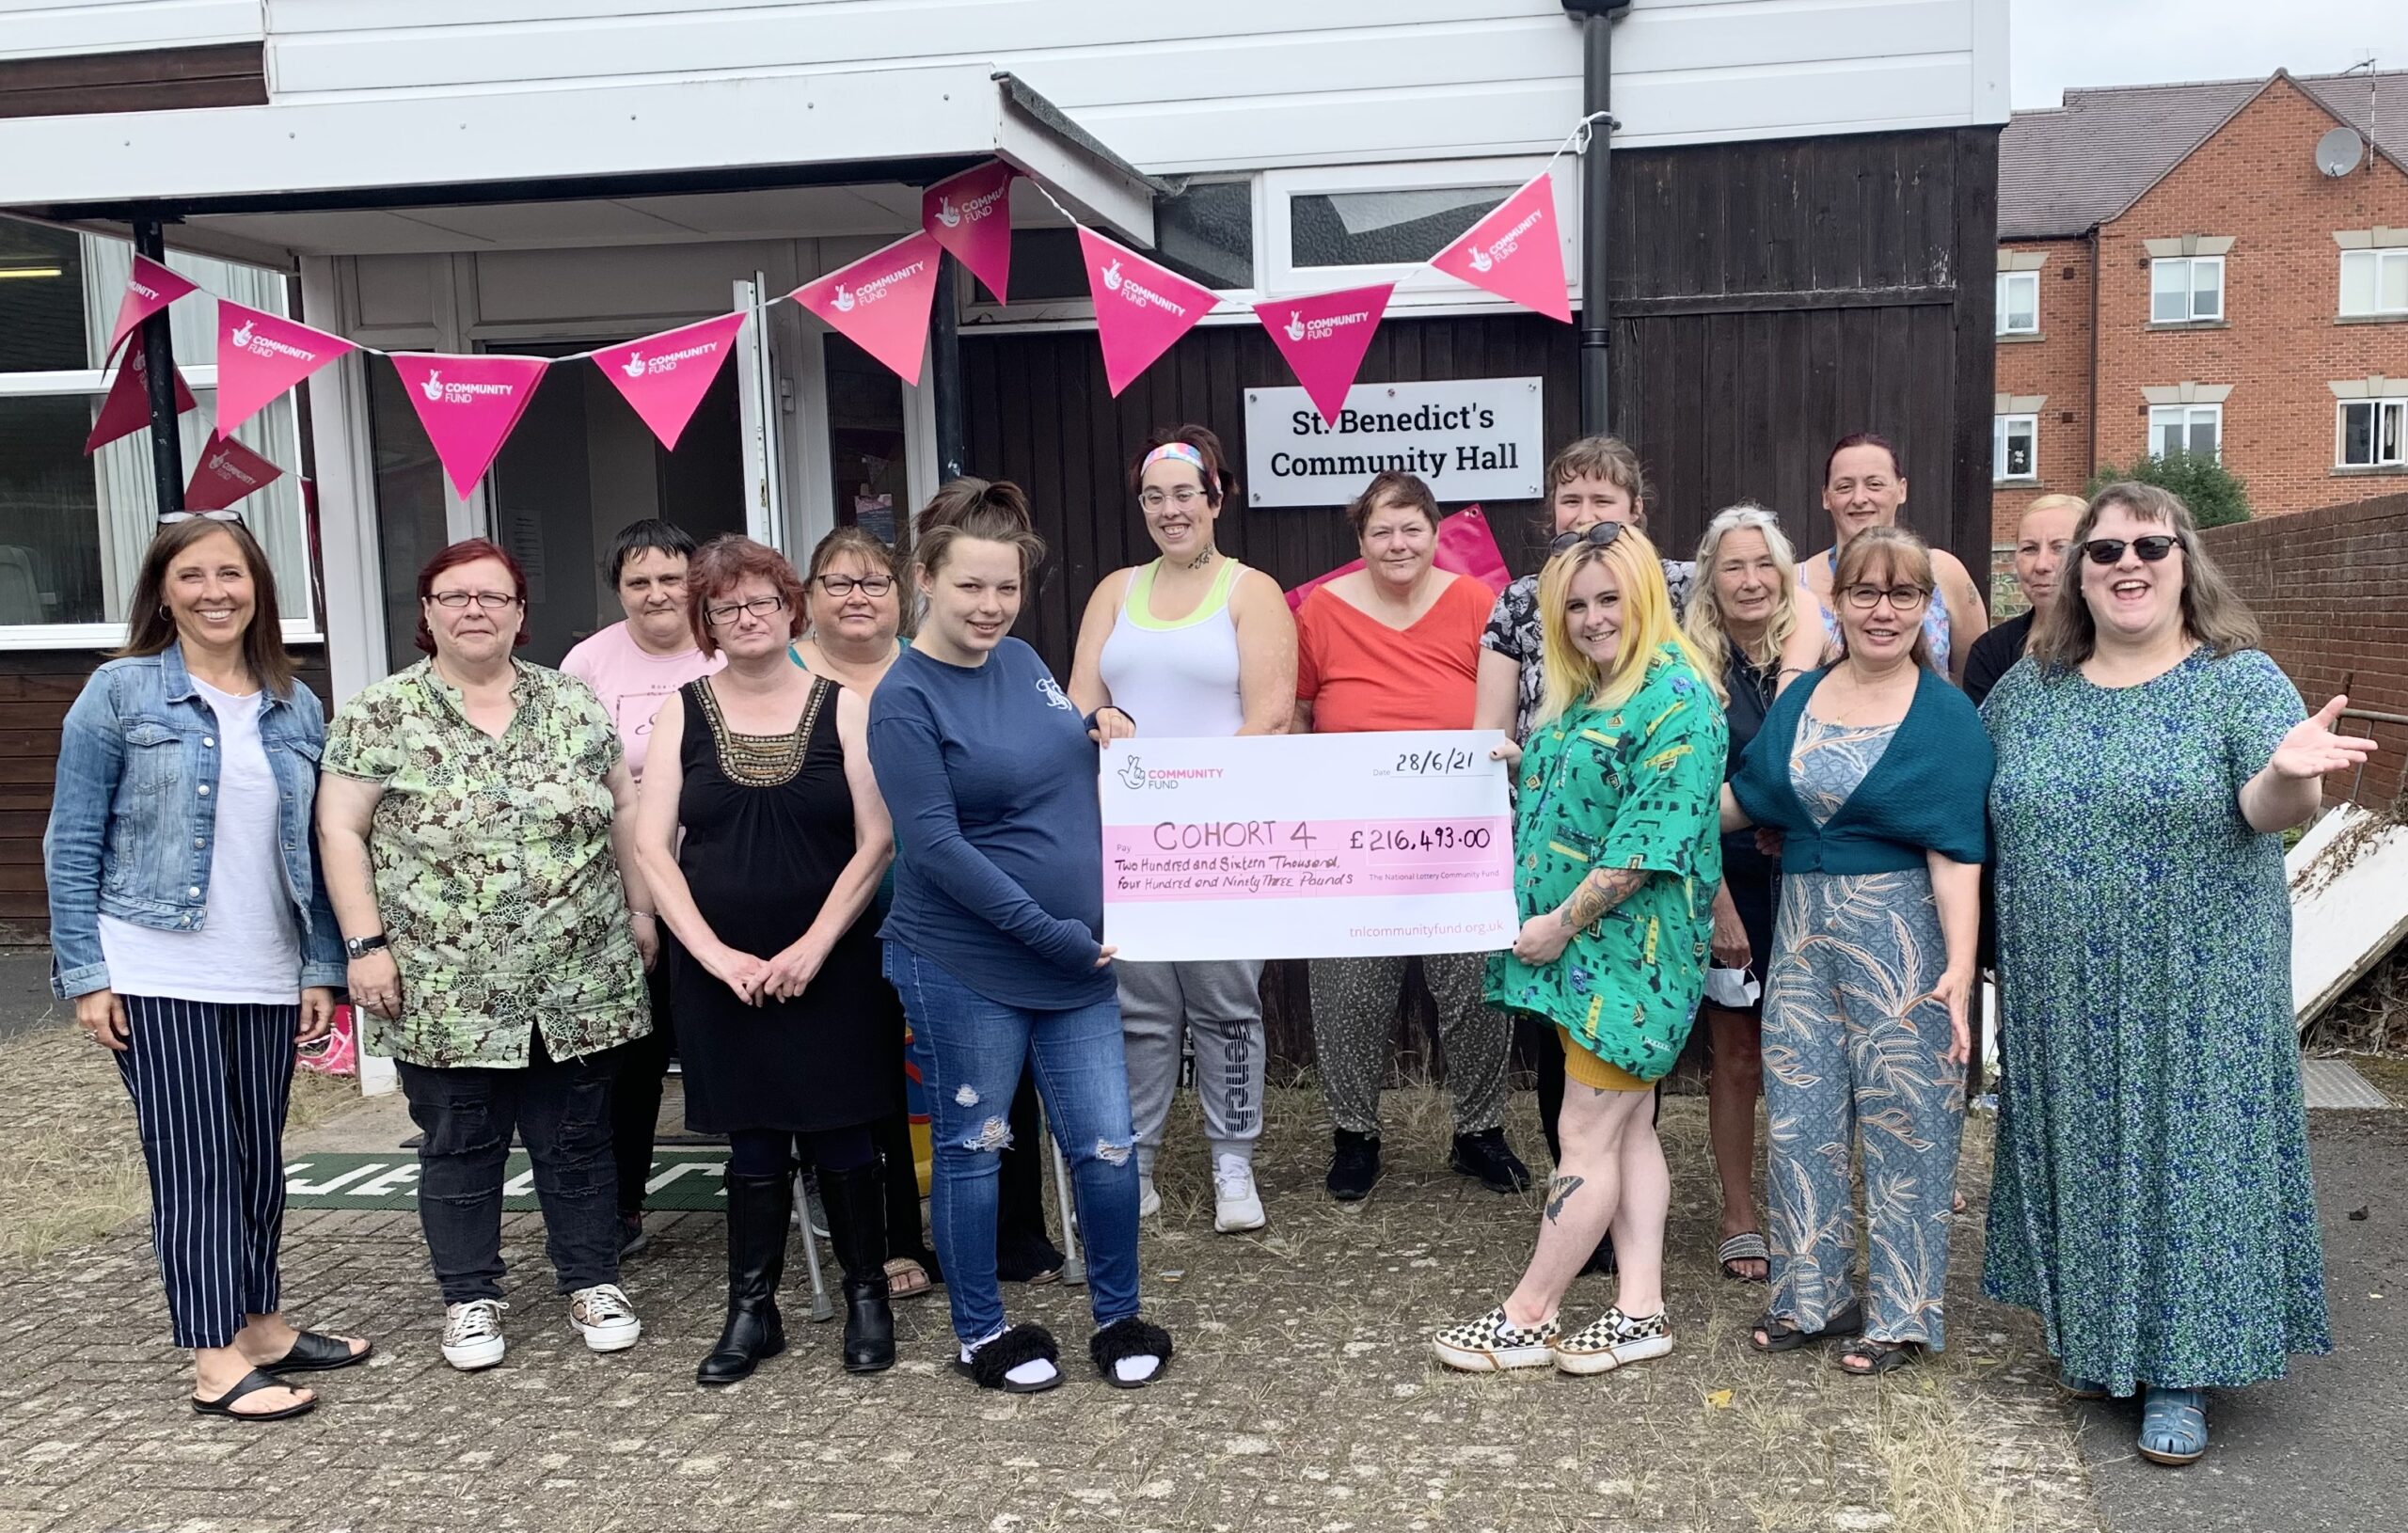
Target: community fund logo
x,y
947,214
1323,326
844,299
1485,257
1295,325
1112,275
1133,773
222,462
639,366
439,392
1136,291
633,365
1138,778
246,337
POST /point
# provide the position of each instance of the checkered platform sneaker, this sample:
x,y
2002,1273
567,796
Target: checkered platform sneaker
x,y
1612,1339
1491,1344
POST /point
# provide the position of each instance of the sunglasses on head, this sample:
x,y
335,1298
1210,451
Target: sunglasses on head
x,y
2110,550
1598,536
171,518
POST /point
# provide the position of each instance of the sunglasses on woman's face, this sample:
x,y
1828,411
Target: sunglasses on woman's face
x,y
2110,550
1597,537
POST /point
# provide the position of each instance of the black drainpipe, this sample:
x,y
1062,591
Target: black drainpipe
x,y
1596,209
159,362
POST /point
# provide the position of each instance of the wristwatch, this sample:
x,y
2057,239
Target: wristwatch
x,y
360,947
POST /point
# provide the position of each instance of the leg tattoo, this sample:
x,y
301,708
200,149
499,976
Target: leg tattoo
x,y
1558,1192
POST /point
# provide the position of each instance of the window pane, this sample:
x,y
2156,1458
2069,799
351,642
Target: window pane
x,y
2019,449
41,299
410,526
2018,303
2169,291
2203,434
2357,281
2357,434
2207,289
1206,233
2393,296
50,519
1046,264
1380,229
865,445
2395,417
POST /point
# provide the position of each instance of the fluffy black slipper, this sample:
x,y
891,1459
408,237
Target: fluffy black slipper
x,y
1129,1337
1027,1343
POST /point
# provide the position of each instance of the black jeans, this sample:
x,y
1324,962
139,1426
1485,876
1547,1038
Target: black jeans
x,y
637,1071
776,1152
561,1109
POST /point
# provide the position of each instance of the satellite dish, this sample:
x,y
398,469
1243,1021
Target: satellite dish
x,y
2338,153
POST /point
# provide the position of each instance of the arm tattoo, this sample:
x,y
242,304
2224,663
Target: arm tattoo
x,y
1558,1192
1598,893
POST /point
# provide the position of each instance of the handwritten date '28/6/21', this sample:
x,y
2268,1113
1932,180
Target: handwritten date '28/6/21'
x,y
1437,761
1406,837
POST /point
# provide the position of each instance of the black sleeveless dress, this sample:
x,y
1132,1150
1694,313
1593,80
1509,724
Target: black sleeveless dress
x,y
768,826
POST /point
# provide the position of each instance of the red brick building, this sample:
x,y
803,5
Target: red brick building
x,y
2175,269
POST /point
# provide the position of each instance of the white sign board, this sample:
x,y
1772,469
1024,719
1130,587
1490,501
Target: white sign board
x,y
1307,847
1472,438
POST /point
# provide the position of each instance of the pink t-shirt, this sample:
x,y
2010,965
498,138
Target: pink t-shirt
x,y
632,683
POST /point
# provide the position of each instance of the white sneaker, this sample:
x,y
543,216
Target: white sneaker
x,y
1236,1205
1149,1202
472,1334
604,1315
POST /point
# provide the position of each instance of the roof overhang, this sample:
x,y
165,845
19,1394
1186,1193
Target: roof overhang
x,y
260,183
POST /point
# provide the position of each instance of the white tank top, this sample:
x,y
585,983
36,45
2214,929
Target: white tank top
x,y
1178,680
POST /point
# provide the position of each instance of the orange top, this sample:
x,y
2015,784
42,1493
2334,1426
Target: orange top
x,y
1360,674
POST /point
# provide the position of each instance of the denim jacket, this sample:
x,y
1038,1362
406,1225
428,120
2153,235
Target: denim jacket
x,y
132,823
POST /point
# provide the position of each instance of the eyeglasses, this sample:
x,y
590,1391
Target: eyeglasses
x,y
723,613
1599,536
1902,598
1185,497
2151,548
841,586
171,518
492,601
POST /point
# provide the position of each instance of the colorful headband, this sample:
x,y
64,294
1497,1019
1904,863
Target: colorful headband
x,y
1181,450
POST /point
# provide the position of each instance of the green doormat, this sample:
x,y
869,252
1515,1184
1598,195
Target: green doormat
x,y
681,1179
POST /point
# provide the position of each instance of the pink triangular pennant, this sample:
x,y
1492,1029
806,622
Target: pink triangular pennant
x,y
1141,310
1323,339
261,354
1516,252
227,471
665,376
469,406
149,289
127,408
970,214
882,301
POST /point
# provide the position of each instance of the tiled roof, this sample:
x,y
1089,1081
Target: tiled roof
x,y
2062,170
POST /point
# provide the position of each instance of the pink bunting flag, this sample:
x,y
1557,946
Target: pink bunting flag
x,y
1465,547
260,355
1323,339
149,289
1141,310
664,376
970,214
880,302
227,471
1516,252
127,408
469,406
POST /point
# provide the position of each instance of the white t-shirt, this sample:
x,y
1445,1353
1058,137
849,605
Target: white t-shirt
x,y
248,948
632,681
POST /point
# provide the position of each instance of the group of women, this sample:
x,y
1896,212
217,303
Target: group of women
x,y
753,817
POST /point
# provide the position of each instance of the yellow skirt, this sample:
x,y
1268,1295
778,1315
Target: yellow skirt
x,y
1596,1074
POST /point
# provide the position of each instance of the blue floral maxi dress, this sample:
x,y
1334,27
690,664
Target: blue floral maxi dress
x,y
2151,1198
1852,1044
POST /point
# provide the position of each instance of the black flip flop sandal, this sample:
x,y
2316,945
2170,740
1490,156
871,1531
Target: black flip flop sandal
x,y
1879,1356
251,1384
1129,1337
988,1366
315,1352
1782,1337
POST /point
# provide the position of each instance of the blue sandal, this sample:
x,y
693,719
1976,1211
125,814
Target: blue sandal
x,y
2173,1425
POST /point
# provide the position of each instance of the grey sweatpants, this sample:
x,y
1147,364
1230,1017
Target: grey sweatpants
x,y
1220,1006
1354,1008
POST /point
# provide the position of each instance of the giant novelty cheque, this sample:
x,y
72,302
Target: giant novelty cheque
x,y
1307,847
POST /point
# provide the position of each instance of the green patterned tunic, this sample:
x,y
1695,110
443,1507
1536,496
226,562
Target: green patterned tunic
x,y
493,871
2151,1198
1633,786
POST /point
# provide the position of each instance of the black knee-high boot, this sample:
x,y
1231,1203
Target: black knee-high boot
x,y
759,1211
856,1204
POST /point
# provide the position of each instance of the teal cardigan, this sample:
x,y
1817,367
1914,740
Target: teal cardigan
x,y
1928,792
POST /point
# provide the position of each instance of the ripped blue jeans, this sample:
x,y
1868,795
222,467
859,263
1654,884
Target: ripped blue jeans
x,y
971,1052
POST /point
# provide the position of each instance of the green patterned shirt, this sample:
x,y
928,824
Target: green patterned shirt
x,y
493,871
1634,787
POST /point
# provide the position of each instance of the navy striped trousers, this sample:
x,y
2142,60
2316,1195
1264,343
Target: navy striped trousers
x,y
210,1083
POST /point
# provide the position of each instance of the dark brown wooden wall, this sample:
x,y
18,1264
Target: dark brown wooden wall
x,y
36,687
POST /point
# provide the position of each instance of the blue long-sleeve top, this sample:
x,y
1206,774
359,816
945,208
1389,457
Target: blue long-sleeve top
x,y
1930,791
991,777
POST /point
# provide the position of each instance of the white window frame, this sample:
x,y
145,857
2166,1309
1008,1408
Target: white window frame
x,y
2396,406
2002,428
2186,416
1417,285
2377,259
2007,280
2191,265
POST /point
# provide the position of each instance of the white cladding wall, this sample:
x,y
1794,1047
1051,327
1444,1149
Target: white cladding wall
x,y
34,28
1234,84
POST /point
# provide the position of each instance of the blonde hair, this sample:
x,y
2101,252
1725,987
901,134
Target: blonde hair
x,y
2053,502
1647,626
1888,553
1702,623
2066,635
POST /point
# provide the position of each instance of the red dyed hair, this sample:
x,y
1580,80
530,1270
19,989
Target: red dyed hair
x,y
723,563
467,551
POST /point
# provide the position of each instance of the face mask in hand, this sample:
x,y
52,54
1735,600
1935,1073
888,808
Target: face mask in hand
x,y
1733,989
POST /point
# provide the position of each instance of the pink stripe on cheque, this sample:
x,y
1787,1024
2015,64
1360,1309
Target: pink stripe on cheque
x,y
1240,859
